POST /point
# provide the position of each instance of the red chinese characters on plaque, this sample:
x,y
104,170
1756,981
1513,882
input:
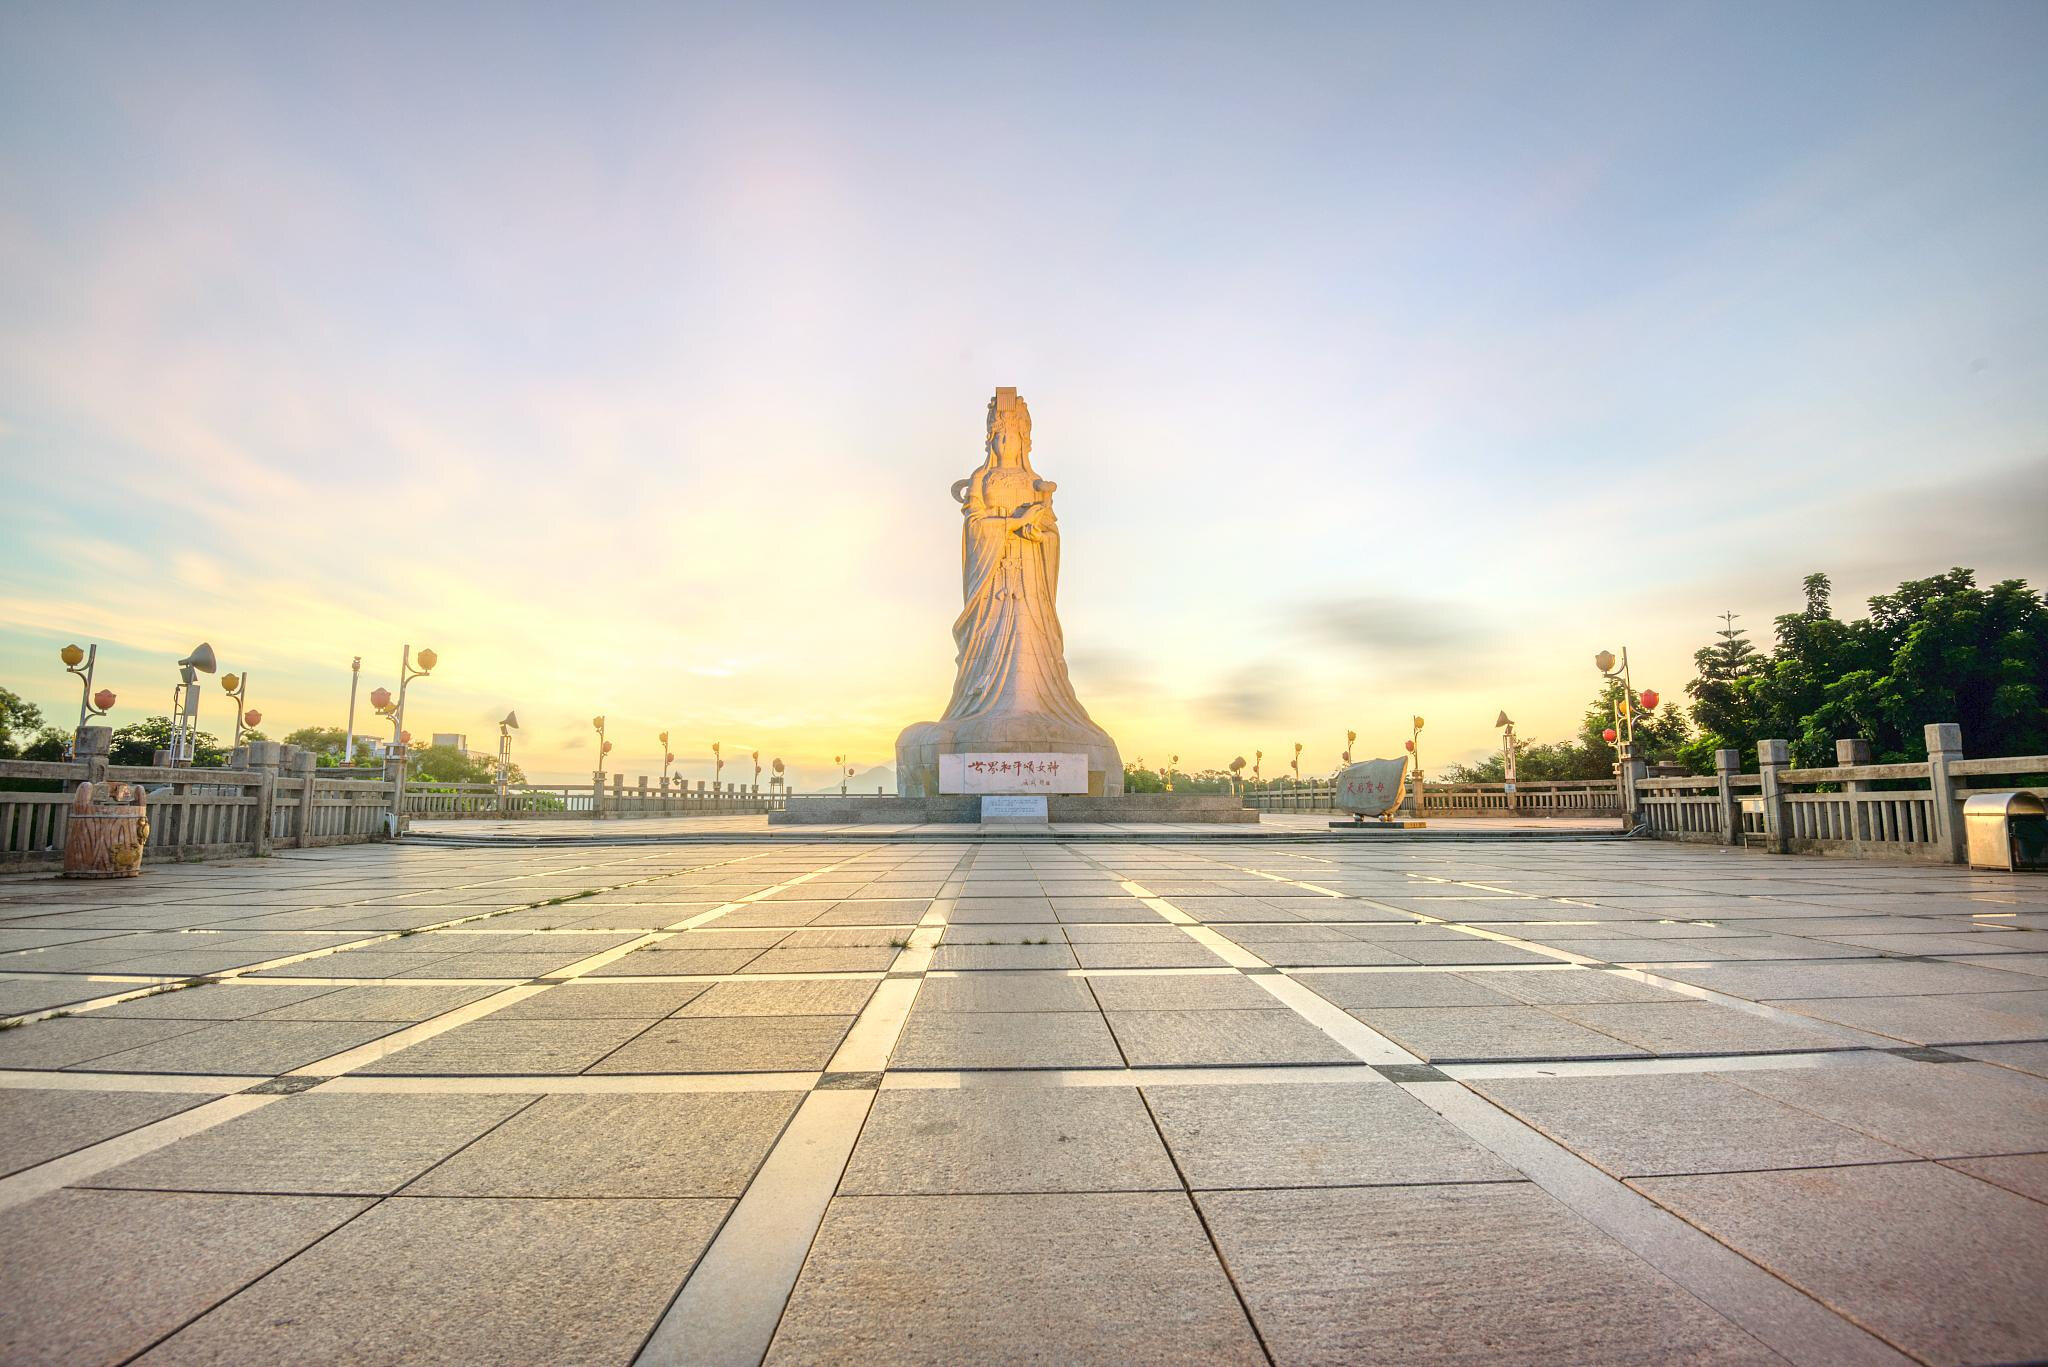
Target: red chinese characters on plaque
x,y
1035,773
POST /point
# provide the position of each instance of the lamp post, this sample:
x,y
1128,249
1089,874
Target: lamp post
x,y
185,701
845,779
604,747
348,741
775,780
717,767
81,662
838,763
505,730
667,758
757,771
1297,764
1258,758
407,672
1171,760
237,687
1507,755
1350,739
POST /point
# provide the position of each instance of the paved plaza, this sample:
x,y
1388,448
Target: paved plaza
x,y
1221,1100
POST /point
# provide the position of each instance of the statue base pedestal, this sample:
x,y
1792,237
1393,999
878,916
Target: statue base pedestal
x,y
1123,809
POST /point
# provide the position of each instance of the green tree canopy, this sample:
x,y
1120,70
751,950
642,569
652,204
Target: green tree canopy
x,y
19,722
1939,649
138,742
446,764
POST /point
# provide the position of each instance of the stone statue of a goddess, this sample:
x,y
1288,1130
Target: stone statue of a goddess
x,y
1011,693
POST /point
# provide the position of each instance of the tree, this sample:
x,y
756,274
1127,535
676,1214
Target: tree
x,y
17,715
138,742
48,744
1939,649
1724,694
446,764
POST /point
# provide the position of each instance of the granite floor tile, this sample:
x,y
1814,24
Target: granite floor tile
x,y
1948,1018
1680,1123
1362,1133
824,997
254,1047
664,1145
1178,992
1177,1039
1695,1027
1005,992
1480,1033
64,1041
1404,989
1966,1287
1937,1110
1469,1274
450,1280
980,1140
37,1125
338,1144
603,1000
1006,1278
730,1044
97,1276
510,1048
1005,1039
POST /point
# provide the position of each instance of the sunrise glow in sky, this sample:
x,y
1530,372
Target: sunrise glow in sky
x,y
1389,359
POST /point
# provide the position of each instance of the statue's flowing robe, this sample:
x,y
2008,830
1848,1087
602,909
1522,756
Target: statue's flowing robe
x,y
1012,655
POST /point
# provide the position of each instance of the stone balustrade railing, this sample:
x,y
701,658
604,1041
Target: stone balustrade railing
x,y
611,798
1853,807
273,798
1597,797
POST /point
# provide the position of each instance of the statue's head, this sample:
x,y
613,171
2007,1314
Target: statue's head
x,y
1009,430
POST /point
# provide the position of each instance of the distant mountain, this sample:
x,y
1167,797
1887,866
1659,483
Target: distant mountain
x,y
865,782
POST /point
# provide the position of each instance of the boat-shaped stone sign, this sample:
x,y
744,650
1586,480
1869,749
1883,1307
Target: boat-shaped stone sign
x,y
1371,787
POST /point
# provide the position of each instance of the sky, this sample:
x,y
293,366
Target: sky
x,y
1389,359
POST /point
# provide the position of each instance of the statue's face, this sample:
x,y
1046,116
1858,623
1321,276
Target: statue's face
x,y
1007,442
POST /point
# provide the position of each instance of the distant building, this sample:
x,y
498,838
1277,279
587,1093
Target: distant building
x,y
451,740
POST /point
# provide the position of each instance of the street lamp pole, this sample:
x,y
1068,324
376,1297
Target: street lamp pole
x,y
407,672
237,686
81,662
604,747
348,741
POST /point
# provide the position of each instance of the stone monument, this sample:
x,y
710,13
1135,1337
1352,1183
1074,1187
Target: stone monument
x,y
1011,693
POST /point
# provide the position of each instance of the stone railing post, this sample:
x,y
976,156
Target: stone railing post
x,y
1629,772
262,756
394,774
1727,764
1773,758
1945,747
618,794
306,765
1849,753
597,793
90,747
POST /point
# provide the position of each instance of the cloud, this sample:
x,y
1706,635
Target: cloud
x,y
1377,622
1252,694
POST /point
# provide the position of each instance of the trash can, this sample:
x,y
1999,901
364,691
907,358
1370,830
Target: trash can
x,y
105,839
2006,830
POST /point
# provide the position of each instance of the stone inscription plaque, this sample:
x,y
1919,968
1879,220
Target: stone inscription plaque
x,y
1013,807
1038,773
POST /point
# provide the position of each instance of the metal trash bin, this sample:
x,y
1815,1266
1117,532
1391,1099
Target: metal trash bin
x,y
2006,830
